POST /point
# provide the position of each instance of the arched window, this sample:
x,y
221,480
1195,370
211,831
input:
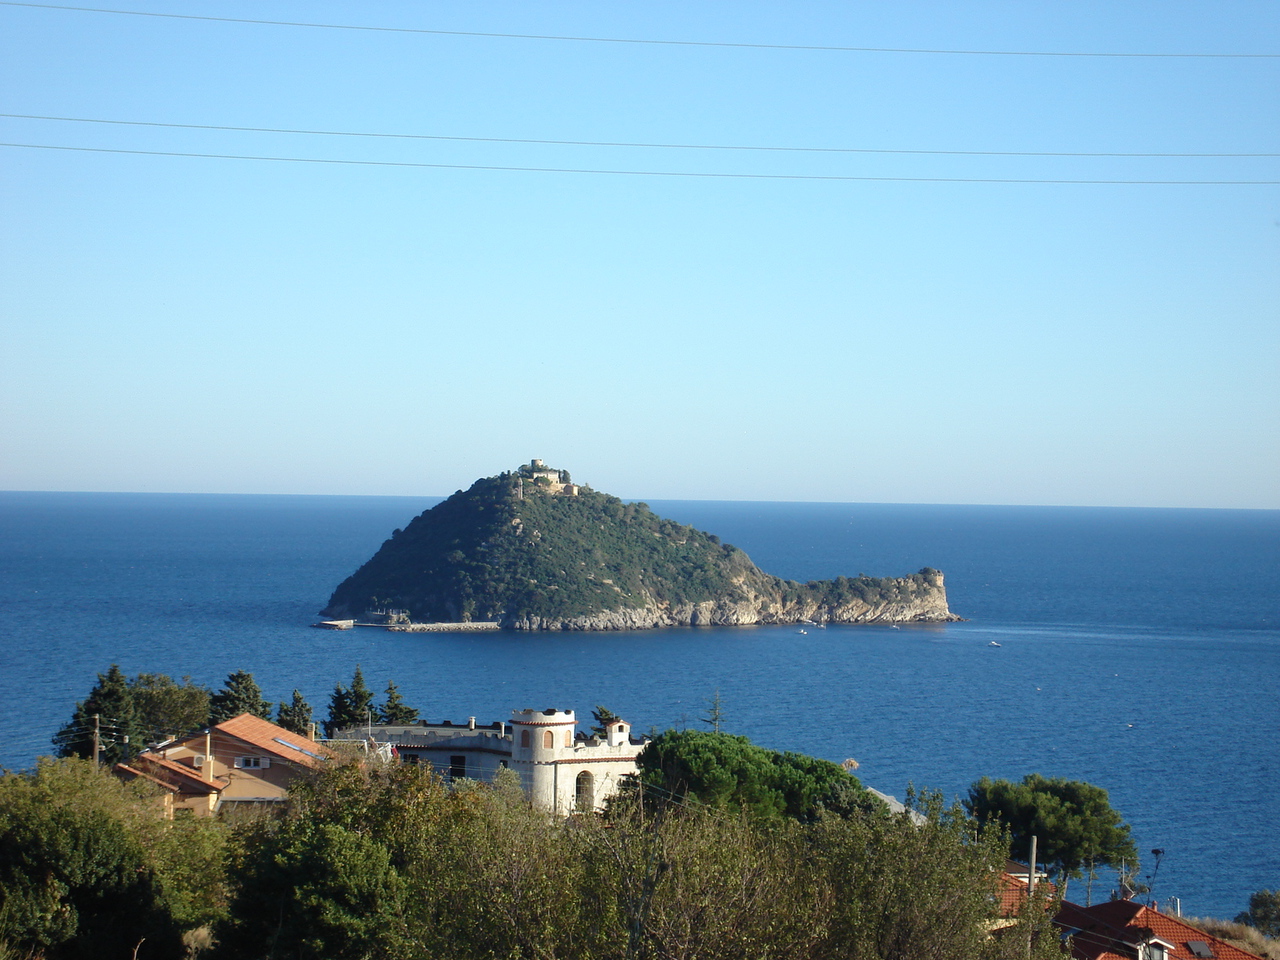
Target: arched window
x,y
585,792
548,741
525,739
568,738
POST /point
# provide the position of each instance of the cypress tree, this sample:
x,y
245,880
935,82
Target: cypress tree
x,y
361,699
295,716
395,710
240,695
603,717
349,707
119,733
339,711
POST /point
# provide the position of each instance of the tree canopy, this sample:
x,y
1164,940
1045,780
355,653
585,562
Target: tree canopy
x,y
167,708
350,707
729,772
1073,821
1263,912
239,695
603,716
109,713
85,867
395,710
295,715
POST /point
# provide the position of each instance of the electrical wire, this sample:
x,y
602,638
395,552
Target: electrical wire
x,y
637,173
613,143
641,41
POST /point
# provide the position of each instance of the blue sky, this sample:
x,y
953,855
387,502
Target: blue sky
x,y
218,325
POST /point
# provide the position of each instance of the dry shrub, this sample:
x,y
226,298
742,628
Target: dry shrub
x,y
1238,935
198,941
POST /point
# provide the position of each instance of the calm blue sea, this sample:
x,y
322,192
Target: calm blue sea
x,y
1139,649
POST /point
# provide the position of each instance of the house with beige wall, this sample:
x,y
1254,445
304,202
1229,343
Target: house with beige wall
x,y
242,760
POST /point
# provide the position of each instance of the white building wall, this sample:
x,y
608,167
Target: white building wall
x,y
549,758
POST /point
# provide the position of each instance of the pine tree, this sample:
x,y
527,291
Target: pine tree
x,y
361,699
350,707
603,717
295,716
109,708
395,710
715,712
339,711
240,695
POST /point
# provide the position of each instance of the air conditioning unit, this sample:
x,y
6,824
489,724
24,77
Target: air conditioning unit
x,y
198,761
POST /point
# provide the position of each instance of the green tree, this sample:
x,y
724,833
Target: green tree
x,y
349,707
313,890
339,711
295,715
1263,912
75,876
361,698
919,884
166,708
726,771
239,695
603,717
715,712
109,711
394,710
1073,821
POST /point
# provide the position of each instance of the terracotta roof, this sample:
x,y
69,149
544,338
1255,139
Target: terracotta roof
x,y
1013,890
275,740
185,778
1113,930
128,771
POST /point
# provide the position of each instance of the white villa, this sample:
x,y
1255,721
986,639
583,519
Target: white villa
x,y
561,769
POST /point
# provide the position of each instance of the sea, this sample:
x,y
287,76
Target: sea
x,y
1136,649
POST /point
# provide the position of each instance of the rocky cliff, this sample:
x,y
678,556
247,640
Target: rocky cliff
x,y
539,555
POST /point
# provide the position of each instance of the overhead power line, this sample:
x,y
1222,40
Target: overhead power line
x,y
613,143
634,173
636,40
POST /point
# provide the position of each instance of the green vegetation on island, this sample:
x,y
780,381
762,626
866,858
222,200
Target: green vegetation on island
x,y
535,553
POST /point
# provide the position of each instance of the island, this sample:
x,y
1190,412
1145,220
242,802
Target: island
x,y
532,550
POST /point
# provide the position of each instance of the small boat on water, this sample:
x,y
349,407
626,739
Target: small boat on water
x,y
804,631
994,644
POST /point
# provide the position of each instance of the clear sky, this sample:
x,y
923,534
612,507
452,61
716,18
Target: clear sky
x,y
227,325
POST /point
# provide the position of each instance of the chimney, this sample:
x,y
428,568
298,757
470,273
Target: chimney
x,y
471,723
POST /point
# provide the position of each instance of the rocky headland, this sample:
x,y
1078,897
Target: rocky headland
x,y
531,550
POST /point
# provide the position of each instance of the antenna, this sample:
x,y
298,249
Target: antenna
x,y
1158,853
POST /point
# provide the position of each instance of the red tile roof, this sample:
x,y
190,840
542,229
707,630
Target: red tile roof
x,y
275,740
1113,930
186,779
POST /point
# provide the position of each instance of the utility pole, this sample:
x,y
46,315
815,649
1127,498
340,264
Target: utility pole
x,y
1031,875
1031,888
97,741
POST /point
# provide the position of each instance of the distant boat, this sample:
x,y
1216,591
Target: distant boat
x,y
993,644
804,631
894,626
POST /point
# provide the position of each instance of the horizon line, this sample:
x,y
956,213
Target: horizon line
x,y
633,499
